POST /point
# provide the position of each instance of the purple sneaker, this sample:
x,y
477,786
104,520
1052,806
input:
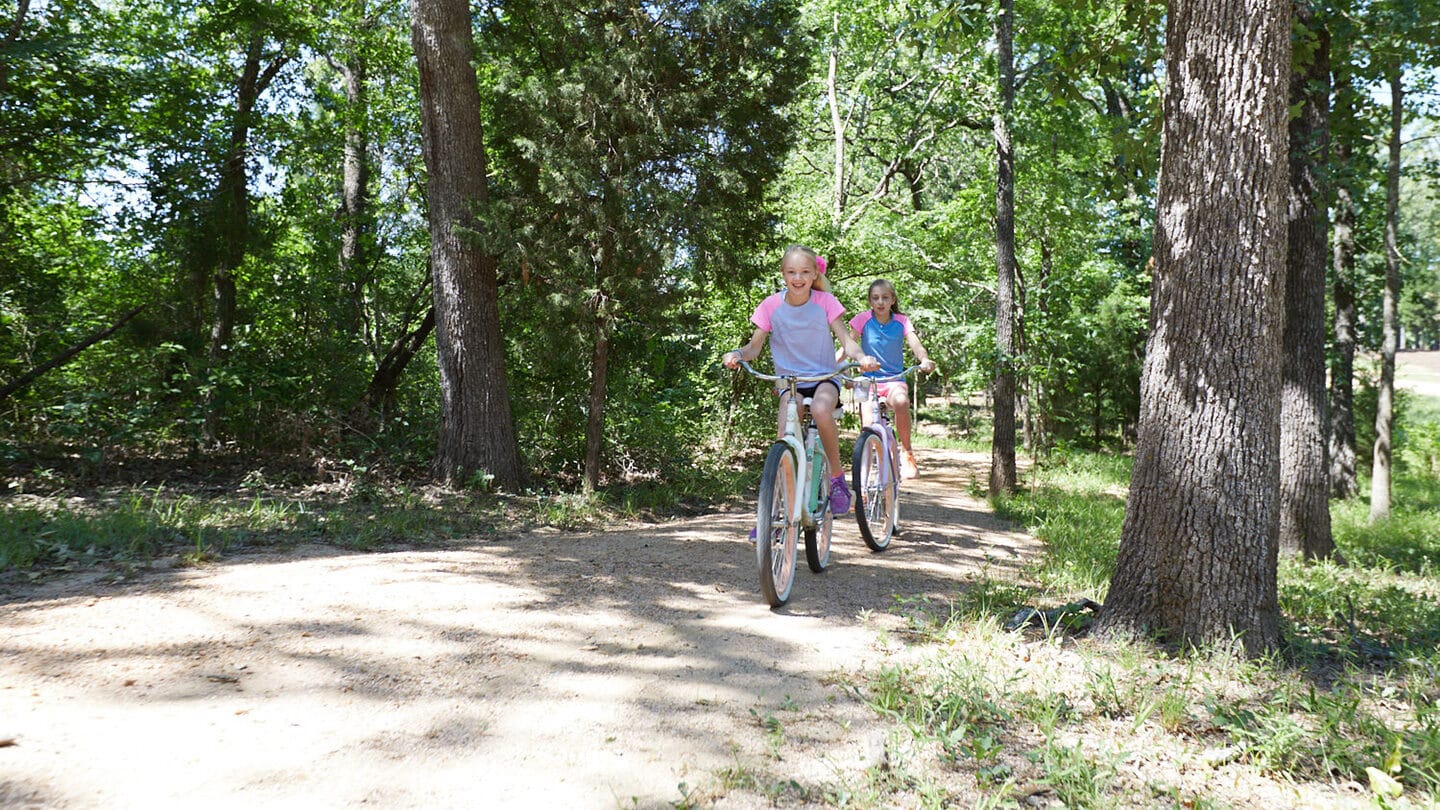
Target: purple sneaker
x,y
751,538
839,495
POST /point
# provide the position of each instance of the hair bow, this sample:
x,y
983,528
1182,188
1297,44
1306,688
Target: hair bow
x,y
820,264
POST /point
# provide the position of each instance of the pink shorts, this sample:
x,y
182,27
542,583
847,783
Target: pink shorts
x,y
885,389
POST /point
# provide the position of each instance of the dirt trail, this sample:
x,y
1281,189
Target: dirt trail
x,y
1419,372
569,670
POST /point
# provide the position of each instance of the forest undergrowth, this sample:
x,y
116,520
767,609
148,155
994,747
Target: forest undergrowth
x,y
1006,698
1000,696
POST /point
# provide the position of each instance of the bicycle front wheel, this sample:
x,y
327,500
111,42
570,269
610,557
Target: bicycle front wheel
x,y
876,488
817,537
775,532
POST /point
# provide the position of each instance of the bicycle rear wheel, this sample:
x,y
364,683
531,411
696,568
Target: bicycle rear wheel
x,y
775,533
877,507
817,537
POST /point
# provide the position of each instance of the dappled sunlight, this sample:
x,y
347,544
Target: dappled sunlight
x,y
632,641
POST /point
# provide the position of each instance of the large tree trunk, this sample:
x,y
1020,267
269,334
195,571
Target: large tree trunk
x,y
1304,412
1390,326
1344,480
1197,560
1002,444
476,430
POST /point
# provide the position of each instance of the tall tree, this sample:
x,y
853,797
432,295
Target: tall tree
x,y
1197,559
1304,412
1390,327
633,126
230,219
354,265
1002,444
1344,479
64,101
476,432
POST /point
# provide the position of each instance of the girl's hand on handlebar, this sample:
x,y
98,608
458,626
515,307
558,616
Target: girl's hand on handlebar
x,y
730,359
927,366
868,363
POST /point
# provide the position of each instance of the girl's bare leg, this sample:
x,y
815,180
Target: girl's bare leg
x,y
899,402
822,408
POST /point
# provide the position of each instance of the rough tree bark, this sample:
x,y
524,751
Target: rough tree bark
x,y
1390,326
1344,480
1304,411
354,201
476,429
1197,560
1002,444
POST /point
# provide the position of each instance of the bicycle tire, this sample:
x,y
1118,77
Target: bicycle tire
x,y
775,534
877,503
817,537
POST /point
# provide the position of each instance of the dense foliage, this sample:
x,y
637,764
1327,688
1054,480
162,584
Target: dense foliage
x,y
649,163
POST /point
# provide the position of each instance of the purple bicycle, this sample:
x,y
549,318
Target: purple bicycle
x,y
875,469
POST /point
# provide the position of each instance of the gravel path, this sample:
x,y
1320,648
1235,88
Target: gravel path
x,y
616,669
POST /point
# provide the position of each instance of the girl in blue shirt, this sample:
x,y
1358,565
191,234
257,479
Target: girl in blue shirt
x,y
883,332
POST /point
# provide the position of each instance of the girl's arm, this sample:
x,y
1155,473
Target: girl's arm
x,y
851,348
840,352
748,352
926,364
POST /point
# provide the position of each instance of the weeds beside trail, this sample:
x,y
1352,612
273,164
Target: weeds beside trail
x,y
1344,715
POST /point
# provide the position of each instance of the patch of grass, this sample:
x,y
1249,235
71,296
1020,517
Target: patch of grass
x,y
1409,540
1300,731
144,524
988,598
1078,778
691,487
1364,614
964,443
1076,503
1353,693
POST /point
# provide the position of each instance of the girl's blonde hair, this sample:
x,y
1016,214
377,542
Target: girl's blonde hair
x,y
884,283
820,283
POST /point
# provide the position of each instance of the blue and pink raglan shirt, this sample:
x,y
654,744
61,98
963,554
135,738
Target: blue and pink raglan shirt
x,y
883,341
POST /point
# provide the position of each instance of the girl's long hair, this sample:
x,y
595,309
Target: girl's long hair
x,y
820,283
895,296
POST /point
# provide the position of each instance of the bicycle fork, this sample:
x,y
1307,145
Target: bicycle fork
x,y
807,474
888,446
814,485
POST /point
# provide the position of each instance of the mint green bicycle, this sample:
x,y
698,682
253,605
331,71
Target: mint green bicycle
x,y
792,496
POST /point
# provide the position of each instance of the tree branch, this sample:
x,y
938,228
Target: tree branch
x,y
39,371
10,37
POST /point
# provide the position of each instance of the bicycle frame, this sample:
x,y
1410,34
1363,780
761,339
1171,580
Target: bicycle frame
x,y
882,416
886,432
802,510
882,410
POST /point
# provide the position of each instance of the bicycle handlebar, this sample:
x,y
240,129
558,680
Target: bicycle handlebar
x,y
777,377
892,378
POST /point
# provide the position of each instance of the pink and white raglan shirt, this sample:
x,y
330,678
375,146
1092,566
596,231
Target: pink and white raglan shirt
x,y
800,338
